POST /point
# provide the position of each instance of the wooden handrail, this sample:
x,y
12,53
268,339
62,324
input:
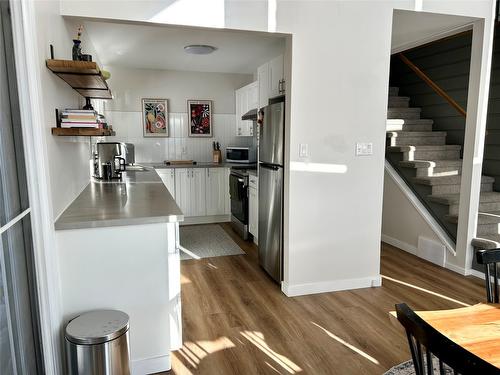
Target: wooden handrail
x,y
432,84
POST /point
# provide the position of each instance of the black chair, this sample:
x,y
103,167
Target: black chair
x,y
490,258
423,337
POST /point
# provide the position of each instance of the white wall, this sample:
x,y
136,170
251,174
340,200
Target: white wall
x,y
129,86
402,224
67,157
337,97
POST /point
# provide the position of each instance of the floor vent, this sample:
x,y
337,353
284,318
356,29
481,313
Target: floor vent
x,y
432,251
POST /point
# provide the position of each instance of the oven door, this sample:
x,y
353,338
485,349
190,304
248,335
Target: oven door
x,y
238,190
237,155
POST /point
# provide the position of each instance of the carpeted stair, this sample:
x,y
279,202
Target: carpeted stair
x,y
434,168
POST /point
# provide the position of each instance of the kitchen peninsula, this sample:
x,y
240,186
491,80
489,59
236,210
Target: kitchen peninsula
x,y
118,245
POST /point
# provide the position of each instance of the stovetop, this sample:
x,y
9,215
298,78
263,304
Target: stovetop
x,y
244,167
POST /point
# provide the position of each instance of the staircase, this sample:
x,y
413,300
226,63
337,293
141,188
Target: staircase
x,y
433,170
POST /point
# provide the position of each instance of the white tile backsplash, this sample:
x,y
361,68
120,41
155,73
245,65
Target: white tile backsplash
x,y
128,128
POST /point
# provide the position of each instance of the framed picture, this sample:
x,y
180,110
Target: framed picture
x,y
155,117
200,118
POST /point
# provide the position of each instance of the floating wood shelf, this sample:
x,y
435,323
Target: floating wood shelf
x,y
83,76
82,132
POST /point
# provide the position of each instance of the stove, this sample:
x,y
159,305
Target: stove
x,y
238,189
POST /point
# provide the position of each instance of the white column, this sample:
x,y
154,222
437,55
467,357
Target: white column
x,y
475,127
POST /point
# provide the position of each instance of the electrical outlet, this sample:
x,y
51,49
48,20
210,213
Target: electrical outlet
x,y
364,148
303,150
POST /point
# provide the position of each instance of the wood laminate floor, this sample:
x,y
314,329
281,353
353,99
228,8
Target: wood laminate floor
x,y
237,321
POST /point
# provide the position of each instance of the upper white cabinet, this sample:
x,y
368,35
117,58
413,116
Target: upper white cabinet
x,y
271,80
190,191
217,191
264,87
276,77
247,98
167,175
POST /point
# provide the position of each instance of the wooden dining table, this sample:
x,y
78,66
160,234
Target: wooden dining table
x,y
475,328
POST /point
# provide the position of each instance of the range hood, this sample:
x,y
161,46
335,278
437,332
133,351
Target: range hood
x,y
250,115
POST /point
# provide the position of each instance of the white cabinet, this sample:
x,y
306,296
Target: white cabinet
x,y
271,80
276,77
167,175
253,207
198,184
252,96
199,191
264,88
217,191
190,191
183,189
239,105
246,98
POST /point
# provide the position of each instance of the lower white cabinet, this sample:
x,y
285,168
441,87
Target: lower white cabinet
x,y
190,191
253,207
217,191
198,184
168,177
183,190
199,192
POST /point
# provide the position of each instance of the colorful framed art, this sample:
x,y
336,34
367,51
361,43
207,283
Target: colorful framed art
x,y
200,118
155,117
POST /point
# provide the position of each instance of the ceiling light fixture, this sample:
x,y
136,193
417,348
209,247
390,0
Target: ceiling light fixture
x,y
199,49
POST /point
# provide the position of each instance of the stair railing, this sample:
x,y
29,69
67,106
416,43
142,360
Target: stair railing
x,y
433,85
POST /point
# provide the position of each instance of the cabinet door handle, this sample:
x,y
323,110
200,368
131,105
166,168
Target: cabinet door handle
x,y
282,86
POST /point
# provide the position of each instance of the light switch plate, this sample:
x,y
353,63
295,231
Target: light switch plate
x,y
364,148
303,150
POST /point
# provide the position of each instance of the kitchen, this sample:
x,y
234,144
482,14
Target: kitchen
x,y
229,171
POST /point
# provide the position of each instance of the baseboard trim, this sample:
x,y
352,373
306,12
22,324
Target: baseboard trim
x,y
193,220
150,365
399,244
330,286
469,272
462,271
478,274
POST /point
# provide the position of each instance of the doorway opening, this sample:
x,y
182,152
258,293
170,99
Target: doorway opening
x,y
427,111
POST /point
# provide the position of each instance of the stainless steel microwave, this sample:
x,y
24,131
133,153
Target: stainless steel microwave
x,y
241,154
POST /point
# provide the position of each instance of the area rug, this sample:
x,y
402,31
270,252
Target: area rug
x,y
406,368
206,241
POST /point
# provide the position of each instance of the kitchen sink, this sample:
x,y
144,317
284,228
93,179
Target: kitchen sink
x,y
136,168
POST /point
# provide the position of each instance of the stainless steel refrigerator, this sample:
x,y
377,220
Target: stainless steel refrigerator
x,y
271,160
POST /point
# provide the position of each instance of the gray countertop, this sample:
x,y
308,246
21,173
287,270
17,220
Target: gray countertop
x,y
139,198
160,165
253,172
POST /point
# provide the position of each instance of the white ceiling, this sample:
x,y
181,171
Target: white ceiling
x,y
411,28
162,47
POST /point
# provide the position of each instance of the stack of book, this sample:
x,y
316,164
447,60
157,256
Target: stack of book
x,y
79,118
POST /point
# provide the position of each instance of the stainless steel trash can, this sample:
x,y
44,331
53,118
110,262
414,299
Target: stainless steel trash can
x,y
97,343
